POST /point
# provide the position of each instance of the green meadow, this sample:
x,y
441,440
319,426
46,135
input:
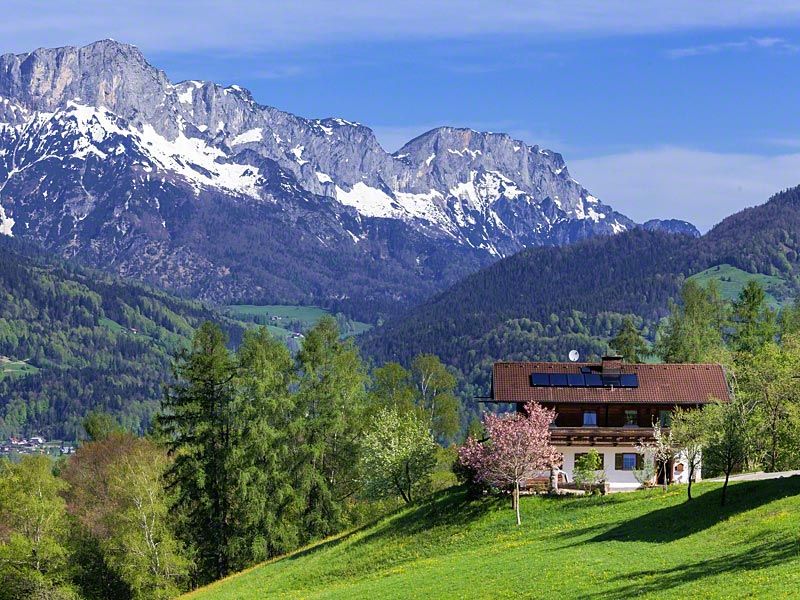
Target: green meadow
x,y
281,318
15,368
732,281
645,543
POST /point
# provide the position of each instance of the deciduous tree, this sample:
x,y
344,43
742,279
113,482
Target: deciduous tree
x,y
436,395
690,435
730,437
392,387
141,545
33,531
662,449
399,455
518,447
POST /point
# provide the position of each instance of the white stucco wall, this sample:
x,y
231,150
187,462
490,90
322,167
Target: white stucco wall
x,y
619,480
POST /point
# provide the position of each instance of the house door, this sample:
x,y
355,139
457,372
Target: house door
x,y
664,470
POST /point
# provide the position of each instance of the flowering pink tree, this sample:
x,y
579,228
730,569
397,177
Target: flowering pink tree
x,y
517,448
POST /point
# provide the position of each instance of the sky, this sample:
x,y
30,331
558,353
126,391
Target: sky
x,y
677,109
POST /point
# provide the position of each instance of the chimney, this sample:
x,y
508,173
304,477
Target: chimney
x,y
611,365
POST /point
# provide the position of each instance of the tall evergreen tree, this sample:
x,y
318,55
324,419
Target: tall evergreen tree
x,y
754,321
331,405
629,343
695,326
199,420
270,503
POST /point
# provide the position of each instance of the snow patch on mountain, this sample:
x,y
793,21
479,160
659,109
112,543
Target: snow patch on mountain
x,y
6,223
368,201
186,96
297,151
250,136
198,162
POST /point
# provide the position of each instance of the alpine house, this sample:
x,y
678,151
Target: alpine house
x,y
610,406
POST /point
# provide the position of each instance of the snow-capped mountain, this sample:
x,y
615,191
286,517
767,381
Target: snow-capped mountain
x,y
197,187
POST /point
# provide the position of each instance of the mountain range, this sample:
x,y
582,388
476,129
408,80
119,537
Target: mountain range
x,y
198,188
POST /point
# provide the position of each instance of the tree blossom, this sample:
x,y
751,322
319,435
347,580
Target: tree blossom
x,y
517,449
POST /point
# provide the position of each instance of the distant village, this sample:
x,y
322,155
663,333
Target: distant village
x,y
15,446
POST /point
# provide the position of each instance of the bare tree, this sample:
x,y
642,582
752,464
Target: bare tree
x,y
662,449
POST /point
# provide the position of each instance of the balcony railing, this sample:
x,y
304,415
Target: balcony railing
x,y
604,435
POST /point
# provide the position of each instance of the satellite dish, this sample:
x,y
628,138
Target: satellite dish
x,y
574,356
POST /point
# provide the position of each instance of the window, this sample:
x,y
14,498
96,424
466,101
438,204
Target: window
x,y
579,455
665,418
631,418
590,419
628,461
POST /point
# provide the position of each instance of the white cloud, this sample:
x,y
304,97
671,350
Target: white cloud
x,y
247,25
763,43
701,187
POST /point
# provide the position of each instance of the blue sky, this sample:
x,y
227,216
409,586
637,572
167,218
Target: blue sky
x,y
679,109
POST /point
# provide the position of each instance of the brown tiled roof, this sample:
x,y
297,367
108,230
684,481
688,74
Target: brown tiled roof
x,y
662,384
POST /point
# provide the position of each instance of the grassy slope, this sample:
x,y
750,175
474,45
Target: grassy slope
x,y
617,546
15,368
307,316
732,281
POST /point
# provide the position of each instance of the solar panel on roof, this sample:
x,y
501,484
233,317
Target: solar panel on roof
x,y
576,380
629,380
593,380
558,379
540,379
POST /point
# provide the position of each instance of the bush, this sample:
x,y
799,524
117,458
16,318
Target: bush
x,y
588,469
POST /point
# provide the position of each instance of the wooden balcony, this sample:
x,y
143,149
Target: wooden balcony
x,y
600,436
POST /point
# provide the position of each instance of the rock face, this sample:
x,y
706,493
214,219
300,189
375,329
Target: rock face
x,y
196,187
672,226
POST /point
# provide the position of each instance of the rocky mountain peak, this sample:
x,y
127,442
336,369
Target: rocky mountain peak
x,y
102,156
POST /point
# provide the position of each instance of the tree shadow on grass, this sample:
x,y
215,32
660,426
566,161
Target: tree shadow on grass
x,y
767,553
681,520
449,508
452,508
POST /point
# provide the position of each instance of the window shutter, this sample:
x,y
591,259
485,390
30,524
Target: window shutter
x,y
618,462
639,462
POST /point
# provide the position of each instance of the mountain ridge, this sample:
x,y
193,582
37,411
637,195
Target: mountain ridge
x,y
104,159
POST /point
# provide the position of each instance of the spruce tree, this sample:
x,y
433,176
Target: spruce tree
x,y
754,321
329,419
269,504
695,327
199,420
629,343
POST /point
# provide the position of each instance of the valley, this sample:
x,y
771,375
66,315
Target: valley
x,y
288,321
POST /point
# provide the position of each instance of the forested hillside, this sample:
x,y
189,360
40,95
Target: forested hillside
x,y
543,302
89,341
